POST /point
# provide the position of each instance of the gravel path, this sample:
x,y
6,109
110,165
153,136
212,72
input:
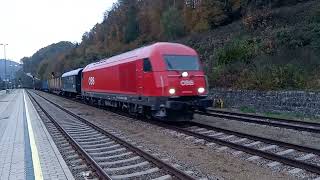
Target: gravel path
x,y
199,158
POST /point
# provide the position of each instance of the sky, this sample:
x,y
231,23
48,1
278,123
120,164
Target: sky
x,y
29,25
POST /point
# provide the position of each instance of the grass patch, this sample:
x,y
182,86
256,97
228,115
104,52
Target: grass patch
x,y
246,109
292,116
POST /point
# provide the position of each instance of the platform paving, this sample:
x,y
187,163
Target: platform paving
x,y
27,151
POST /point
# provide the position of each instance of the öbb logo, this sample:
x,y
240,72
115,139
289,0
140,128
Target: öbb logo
x,y
187,83
91,81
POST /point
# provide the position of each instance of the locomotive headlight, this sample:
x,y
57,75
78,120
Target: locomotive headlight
x,y
185,74
201,90
172,91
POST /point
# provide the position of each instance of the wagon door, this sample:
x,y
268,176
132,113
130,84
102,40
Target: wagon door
x,y
139,76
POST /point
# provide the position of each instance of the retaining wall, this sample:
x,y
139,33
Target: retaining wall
x,y
298,102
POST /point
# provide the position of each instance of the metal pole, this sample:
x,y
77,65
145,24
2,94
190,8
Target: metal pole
x,y
5,65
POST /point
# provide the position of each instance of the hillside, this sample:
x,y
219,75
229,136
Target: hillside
x,y
244,44
12,68
43,62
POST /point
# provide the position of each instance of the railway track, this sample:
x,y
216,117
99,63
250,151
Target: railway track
x,y
263,120
278,152
298,157
109,156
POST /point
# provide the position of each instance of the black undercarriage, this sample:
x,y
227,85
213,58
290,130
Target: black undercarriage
x,y
161,108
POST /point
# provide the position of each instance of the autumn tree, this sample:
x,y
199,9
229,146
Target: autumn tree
x,y
172,23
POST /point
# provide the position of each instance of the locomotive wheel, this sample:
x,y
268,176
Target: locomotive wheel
x,y
148,113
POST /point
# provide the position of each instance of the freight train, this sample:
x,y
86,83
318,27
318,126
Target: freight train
x,y
163,81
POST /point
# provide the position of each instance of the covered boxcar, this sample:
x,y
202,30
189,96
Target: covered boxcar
x,y
71,82
55,85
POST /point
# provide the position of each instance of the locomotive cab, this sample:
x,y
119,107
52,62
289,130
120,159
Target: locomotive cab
x,y
180,85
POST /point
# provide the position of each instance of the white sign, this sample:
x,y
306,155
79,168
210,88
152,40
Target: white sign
x,y
187,83
91,81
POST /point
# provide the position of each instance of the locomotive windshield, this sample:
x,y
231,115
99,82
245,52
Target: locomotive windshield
x,y
182,63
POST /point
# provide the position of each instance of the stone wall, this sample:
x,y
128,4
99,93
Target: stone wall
x,y
297,102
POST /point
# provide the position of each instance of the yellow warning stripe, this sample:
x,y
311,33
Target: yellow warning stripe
x,y
34,151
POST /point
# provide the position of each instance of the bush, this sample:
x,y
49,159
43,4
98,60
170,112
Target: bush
x,y
314,33
237,50
257,19
294,37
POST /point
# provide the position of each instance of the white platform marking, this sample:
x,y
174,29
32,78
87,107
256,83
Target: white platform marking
x,y
34,150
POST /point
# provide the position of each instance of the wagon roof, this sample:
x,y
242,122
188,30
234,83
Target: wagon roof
x,y
72,73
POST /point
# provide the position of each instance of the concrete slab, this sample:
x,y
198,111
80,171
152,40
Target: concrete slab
x,y
27,151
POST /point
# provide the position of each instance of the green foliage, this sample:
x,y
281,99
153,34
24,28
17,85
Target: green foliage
x,y
172,23
31,64
246,109
314,33
242,50
293,38
132,27
316,16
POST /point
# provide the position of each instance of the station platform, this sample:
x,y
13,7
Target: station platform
x,y
27,150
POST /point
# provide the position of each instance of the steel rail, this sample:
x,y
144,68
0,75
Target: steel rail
x,y
274,157
258,138
287,125
305,123
159,163
90,161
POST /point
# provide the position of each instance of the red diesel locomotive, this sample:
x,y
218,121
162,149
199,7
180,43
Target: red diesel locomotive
x,y
163,80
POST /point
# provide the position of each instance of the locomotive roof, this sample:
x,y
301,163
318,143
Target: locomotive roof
x,y
144,52
72,73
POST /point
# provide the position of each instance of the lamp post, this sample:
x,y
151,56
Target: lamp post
x,y
5,65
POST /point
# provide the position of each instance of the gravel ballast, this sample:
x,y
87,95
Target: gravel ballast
x,y
197,157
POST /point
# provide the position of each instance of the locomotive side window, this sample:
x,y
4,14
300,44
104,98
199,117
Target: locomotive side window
x,y
147,65
182,63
